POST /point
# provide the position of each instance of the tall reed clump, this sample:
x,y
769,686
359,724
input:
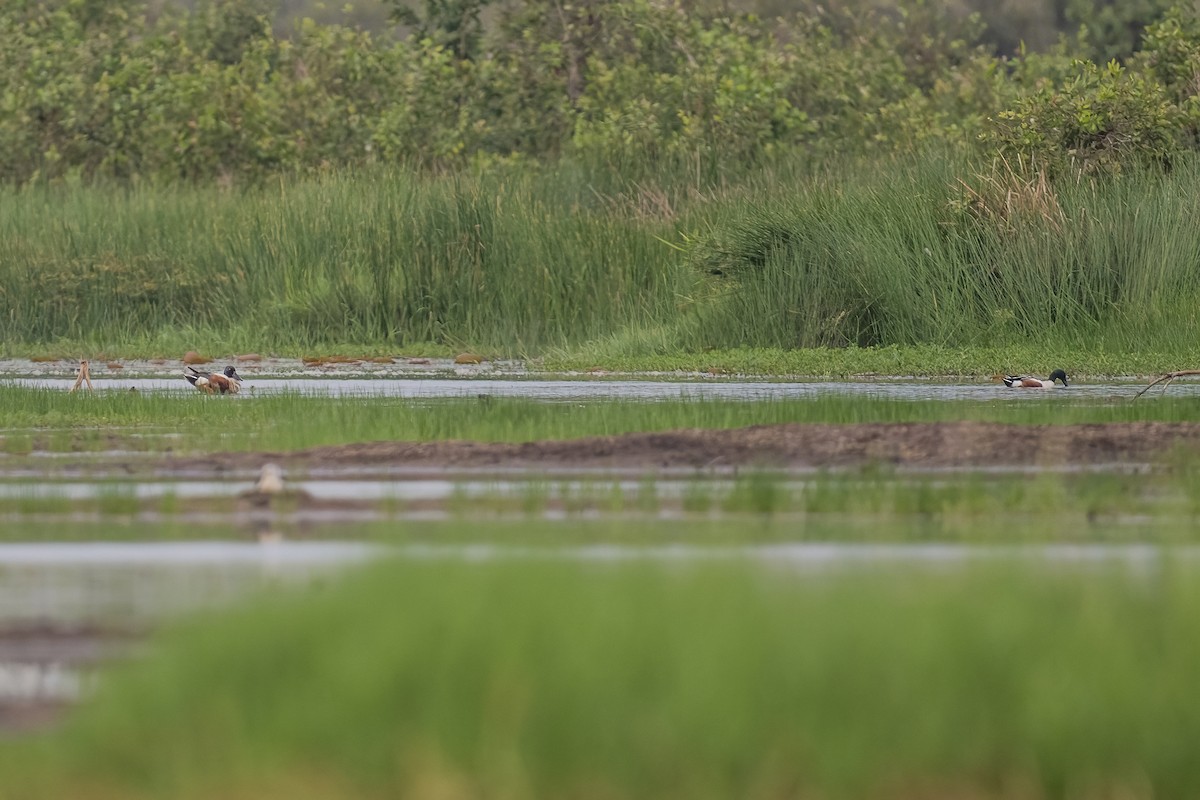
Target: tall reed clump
x,y
522,260
515,262
630,680
917,253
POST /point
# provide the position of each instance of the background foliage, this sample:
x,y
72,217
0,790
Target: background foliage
x,y
634,176
100,90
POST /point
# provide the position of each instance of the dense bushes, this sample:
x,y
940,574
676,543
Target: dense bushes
x,y
1102,120
94,90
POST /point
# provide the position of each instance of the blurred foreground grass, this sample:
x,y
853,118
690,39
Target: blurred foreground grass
x,y
551,678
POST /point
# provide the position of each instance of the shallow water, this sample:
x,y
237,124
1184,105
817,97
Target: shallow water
x,y
561,484
132,583
136,582
601,389
70,587
821,555
274,554
360,489
318,489
270,555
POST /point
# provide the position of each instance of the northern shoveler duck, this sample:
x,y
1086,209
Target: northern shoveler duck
x,y
1021,382
227,382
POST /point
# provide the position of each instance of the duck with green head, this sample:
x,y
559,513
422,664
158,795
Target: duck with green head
x,y
1024,382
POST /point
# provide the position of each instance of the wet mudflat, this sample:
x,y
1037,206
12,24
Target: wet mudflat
x,y
936,444
795,446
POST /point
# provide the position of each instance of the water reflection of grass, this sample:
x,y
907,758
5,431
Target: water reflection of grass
x,y
984,502
636,680
955,506
865,505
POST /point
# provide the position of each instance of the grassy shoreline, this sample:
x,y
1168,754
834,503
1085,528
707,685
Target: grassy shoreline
x,y
1086,363
56,421
923,361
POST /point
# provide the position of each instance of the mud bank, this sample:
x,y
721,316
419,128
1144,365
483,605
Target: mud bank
x,y
941,444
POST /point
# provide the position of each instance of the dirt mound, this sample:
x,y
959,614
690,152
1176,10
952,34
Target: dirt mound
x,y
941,444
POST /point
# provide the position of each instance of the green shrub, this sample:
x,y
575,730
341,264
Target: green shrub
x,y
98,92
1105,120
1114,28
1171,54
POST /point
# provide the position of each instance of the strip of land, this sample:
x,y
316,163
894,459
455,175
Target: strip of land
x,y
919,444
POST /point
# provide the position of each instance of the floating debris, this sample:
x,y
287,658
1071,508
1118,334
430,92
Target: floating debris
x,y
192,357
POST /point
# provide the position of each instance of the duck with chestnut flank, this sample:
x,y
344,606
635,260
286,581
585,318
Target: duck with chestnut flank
x,y
227,382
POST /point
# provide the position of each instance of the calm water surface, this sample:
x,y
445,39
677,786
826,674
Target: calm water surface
x,y
603,389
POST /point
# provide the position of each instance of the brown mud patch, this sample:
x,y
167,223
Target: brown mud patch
x,y
939,444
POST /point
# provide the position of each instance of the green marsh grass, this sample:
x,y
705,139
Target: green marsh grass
x,y
849,507
118,499
641,680
971,508
367,259
1083,363
566,261
897,257
56,519
38,419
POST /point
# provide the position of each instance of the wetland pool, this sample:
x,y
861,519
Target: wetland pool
x,y
585,389
77,588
